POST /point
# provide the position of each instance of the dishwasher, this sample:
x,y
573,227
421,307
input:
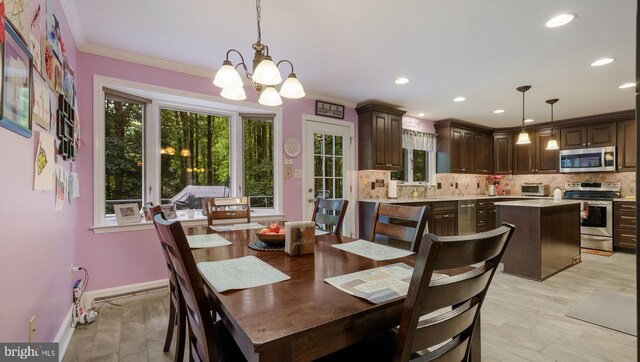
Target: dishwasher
x,y
466,217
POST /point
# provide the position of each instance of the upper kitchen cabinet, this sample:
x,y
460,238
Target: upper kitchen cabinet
x,y
379,137
627,145
594,135
534,157
460,149
502,153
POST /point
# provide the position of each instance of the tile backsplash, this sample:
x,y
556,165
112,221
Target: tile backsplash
x,y
469,184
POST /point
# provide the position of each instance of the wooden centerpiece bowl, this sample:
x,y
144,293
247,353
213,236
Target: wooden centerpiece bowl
x,y
270,239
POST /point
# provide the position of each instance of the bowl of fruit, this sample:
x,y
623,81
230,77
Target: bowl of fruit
x,y
274,234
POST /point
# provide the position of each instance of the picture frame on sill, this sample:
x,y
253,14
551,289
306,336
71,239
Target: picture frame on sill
x,y
169,211
127,213
329,109
17,73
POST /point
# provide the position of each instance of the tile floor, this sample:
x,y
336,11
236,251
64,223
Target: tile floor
x,y
522,320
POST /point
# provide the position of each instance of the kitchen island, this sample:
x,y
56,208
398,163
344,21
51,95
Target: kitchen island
x,y
546,239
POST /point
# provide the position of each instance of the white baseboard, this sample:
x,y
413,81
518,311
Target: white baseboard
x,y
90,296
63,337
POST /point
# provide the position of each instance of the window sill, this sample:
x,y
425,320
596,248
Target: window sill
x,y
148,225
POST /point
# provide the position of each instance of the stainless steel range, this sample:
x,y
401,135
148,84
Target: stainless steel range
x,y
596,211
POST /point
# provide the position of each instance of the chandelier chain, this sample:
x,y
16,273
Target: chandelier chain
x,y
258,9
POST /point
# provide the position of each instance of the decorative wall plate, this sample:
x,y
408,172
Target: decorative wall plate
x,y
292,147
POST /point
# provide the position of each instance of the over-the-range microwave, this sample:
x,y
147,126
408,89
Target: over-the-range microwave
x,y
596,159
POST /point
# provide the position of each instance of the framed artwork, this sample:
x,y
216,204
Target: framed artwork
x,y
17,75
329,109
66,123
169,211
127,213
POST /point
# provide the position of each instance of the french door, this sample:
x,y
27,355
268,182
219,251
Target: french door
x,y
328,165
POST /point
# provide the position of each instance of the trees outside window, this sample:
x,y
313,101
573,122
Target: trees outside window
x,y
258,161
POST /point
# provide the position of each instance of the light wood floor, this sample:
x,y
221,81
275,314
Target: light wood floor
x,y
522,320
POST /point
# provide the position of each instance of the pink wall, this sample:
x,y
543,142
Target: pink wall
x,y
134,257
37,244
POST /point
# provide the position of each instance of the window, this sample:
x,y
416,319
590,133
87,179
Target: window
x,y
123,144
153,144
418,162
194,150
258,160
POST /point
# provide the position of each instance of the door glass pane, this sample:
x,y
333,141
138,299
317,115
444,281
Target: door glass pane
x,y
339,167
338,147
328,144
317,144
328,185
339,193
328,166
317,166
123,153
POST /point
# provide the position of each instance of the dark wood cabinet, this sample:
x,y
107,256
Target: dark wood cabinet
x,y
594,135
624,225
463,150
534,157
502,153
486,215
482,153
379,137
443,220
627,146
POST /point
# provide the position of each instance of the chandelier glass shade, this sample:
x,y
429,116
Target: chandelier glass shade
x,y
552,144
523,137
265,75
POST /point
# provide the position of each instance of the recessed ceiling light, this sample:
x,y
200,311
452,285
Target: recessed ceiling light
x,y
528,120
498,111
627,85
602,61
459,99
420,114
560,20
402,80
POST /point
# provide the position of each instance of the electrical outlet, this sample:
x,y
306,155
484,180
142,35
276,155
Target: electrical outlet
x,y
32,329
478,185
439,187
456,185
373,185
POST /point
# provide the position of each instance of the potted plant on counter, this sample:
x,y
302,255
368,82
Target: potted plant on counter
x,y
192,202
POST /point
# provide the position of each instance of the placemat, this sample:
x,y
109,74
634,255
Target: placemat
x,y
262,246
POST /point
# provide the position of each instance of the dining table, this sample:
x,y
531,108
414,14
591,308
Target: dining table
x,y
302,318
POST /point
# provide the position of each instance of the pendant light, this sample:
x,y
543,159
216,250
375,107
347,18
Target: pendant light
x,y
553,144
523,137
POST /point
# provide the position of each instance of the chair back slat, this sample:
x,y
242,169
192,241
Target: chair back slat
x,y
440,328
453,301
227,208
330,213
201,329
399,225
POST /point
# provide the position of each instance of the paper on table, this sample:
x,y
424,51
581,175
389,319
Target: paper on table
x,y
253,225
372,250
240,273
321,232
207,241
377,285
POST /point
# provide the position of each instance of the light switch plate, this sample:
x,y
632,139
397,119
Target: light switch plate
x,y
297,173
288,161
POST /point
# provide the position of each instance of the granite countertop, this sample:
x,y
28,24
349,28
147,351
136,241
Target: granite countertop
x,y
452,198
631,199
537,203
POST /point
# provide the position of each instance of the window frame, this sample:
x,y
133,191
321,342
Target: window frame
x,y
430,169
162,97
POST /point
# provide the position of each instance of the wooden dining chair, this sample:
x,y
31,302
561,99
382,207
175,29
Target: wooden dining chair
x,y
177,313
439,316
209,340
399,225
227,208
330,213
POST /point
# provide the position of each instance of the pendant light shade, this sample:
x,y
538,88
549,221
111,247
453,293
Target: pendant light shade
x,y
291,88
523,138
234,93
552,144
227,76
267,73
270,97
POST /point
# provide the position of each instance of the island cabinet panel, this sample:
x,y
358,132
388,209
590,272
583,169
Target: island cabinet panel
x,y
624,225
627,146
502,154
379,137
546,239
594,135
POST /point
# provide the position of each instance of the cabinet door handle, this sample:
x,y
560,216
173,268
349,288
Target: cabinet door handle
x,y
584,144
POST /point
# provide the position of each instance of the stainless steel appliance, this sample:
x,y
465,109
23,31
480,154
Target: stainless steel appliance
x,y
596,211
596,159
534,189
466,217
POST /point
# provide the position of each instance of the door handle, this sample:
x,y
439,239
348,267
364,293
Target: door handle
x,y
311,199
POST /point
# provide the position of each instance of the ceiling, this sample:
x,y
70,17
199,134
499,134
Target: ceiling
x,y
351,51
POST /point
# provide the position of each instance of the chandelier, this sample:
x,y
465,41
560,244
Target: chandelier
x,y
265,75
